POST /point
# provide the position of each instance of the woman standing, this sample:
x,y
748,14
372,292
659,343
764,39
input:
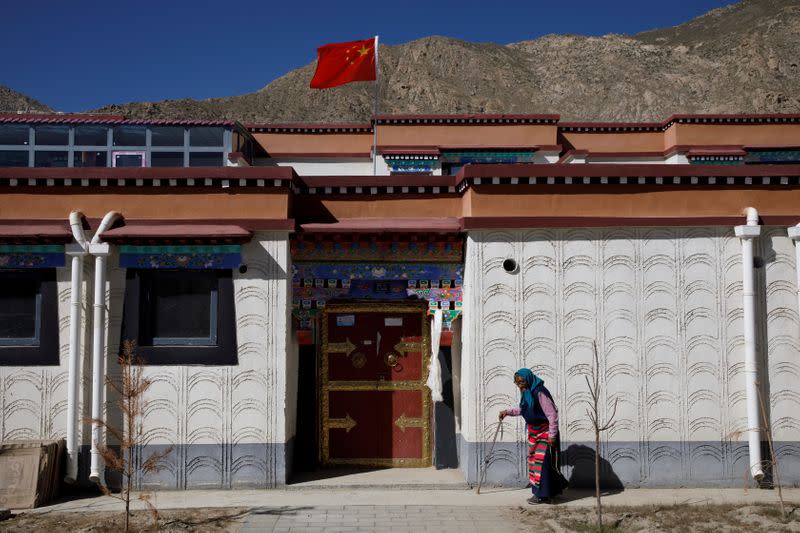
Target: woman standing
x,y
541,416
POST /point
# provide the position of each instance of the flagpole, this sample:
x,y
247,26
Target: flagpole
x,y
375,115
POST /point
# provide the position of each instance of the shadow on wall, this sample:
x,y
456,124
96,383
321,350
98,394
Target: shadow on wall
x,y
580,460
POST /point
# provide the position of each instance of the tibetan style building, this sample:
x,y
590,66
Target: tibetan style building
x,y
304,296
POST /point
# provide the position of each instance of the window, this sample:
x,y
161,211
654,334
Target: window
x,y
181,316
14,158
127,159
51,135
206,136
91,136
47,158
166,159
89,159
28,317
205,159
129,135
15,134
166,136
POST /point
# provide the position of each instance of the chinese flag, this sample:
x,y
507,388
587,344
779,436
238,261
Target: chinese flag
x,y
340,63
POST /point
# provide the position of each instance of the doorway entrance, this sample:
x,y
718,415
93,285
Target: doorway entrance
x,y
375,405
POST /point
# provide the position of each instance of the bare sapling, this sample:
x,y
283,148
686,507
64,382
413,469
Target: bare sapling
x,y
130,387
593,412
767,429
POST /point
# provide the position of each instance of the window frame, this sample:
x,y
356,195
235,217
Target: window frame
x,y
224,352
45,352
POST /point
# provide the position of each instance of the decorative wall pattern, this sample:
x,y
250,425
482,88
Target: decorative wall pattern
x,y
665,308
228,424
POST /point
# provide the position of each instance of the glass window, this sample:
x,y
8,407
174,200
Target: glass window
x,y
129,135
28,317
90,159
181,308
166,136
20,302
14,134
14,158
128,159
205,136
50,135
205,159
166,159
47,158
91,136
181,316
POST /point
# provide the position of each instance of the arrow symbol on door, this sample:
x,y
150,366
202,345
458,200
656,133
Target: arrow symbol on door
x,y
404,422
345,347
347,423
405,346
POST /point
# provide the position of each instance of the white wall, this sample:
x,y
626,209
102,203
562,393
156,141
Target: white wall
x,y
665,308
229,424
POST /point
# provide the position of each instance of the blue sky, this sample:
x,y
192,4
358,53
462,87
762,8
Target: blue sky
x,y
81,54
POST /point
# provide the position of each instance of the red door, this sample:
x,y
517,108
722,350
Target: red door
x,y
375,407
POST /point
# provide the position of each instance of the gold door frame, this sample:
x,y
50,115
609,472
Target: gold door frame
x,y
327,386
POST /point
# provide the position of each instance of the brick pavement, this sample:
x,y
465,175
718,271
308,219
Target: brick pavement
x,y
384,518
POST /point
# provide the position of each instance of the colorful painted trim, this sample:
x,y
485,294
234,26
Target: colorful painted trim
x,y
772,156
31,256
419,251
200,257
487,157
314,284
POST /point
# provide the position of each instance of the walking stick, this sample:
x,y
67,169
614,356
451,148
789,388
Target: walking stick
x,y
486,459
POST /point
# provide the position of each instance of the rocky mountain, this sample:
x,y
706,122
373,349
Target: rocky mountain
x,y
738,59
13,102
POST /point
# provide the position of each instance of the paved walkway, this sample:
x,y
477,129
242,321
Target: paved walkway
x,y
397,509
389,518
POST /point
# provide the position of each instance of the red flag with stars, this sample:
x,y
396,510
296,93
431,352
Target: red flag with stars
x,y
340,63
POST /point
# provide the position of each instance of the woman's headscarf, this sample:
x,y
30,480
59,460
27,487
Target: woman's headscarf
x,y
532,381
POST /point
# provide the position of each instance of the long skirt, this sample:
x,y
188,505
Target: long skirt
x,y
545,482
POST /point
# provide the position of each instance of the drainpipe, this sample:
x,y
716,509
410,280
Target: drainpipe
x,y
794,234
100,252
747,234
77,251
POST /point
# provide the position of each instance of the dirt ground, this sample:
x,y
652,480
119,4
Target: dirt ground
x,y
206,520
695,517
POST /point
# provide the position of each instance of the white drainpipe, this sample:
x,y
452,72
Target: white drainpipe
x,y
100,251
77,251
794,234
747,234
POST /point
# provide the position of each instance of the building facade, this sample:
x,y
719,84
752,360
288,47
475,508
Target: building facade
x,y
309,296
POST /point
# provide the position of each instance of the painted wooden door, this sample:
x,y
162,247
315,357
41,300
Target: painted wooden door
x,y
375,407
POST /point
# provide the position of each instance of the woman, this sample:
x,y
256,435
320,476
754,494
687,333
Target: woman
x,y
540,413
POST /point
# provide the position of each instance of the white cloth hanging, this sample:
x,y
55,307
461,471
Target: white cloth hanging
x,y
434,382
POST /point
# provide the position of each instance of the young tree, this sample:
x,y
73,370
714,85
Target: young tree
x,y
130,387
593,412
767,429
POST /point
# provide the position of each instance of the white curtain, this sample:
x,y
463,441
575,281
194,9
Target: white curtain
x,y
434,368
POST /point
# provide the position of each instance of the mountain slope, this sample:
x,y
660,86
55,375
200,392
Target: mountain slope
x,y
739,59
13,102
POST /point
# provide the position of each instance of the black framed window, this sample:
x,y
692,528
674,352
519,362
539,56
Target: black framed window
x,y
181,316
206,136
28,317
166,136
51,158
166,159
